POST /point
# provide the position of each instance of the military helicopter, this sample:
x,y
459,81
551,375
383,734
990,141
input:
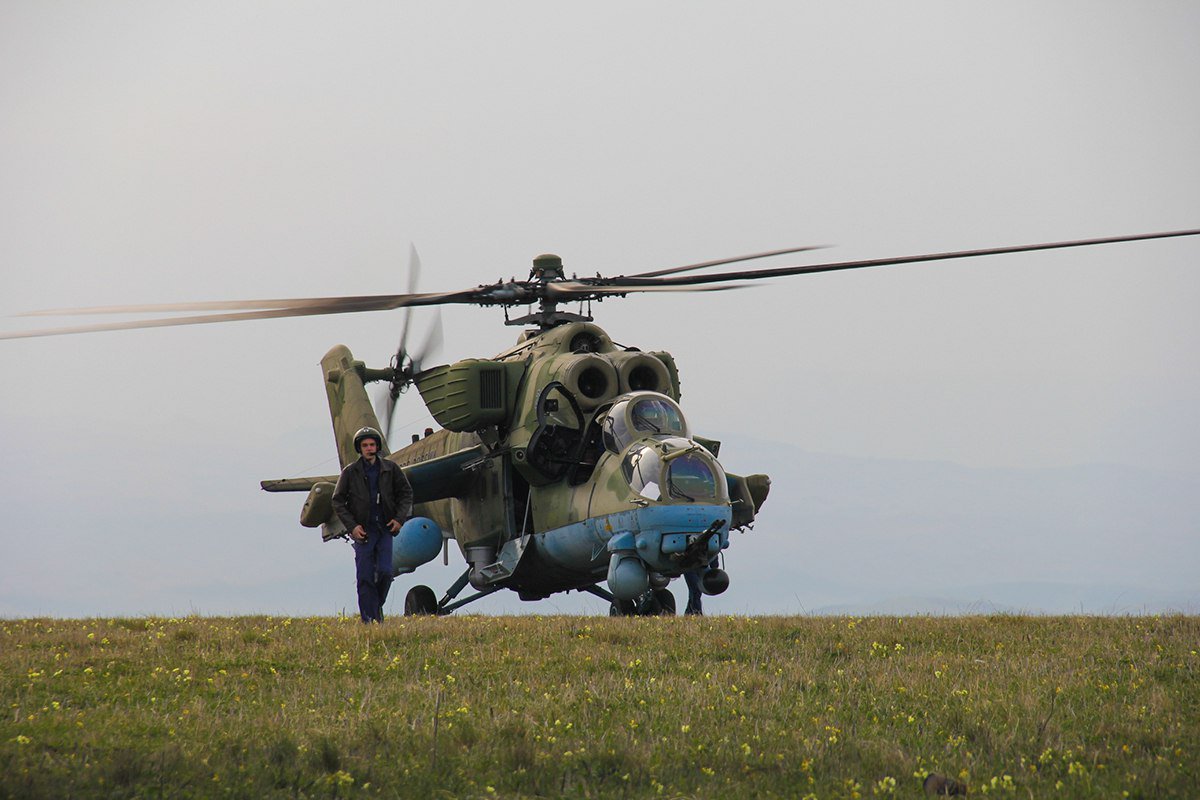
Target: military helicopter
x,y
562,463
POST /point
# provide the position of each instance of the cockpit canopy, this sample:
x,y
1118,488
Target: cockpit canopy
x,y
640,415
674,469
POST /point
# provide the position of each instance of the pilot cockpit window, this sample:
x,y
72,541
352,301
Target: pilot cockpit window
x,y
693,476
643,469
675,470
640,416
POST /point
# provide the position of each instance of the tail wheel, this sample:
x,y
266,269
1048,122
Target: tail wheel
x,y
420,602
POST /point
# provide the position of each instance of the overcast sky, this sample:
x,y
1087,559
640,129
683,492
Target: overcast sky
x,y
159,152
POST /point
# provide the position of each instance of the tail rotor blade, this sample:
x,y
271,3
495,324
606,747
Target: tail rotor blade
x,y
432,345
398,361
414,274
385,407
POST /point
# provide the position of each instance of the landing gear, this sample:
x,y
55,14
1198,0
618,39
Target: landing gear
x,y
655,603
420,602
666,602
622,608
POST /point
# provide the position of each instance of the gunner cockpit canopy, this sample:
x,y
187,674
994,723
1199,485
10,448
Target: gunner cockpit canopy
x,y
641,415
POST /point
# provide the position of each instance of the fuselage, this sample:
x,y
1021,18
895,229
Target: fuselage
x,y
561,460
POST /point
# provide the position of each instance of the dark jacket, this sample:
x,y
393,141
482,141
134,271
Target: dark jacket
x,y
352,501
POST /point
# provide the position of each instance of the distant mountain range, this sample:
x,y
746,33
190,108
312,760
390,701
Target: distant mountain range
x,y
858,535
838,535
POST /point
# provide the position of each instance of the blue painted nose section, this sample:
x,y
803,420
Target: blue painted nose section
x,y
657,535
663,534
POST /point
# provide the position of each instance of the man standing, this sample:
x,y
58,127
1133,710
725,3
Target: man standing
x,y
372,499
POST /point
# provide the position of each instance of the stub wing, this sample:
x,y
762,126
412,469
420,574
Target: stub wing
x,y
446,476
296,484
437,478
434,479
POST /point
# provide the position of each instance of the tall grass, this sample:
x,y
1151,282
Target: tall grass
x,y
581,707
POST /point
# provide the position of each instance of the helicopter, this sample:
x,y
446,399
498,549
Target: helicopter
x,y
563,463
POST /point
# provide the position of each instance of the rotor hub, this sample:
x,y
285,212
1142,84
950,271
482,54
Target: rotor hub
x,y
547,267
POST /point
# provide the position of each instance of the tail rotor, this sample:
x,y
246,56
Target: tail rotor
x,y
405,364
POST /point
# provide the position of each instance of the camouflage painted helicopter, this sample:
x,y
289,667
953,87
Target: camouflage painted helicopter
x,y
563,462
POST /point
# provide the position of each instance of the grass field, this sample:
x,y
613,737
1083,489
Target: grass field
x,y
598,707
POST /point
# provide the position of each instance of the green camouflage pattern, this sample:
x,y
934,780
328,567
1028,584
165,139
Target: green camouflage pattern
x,y
481,483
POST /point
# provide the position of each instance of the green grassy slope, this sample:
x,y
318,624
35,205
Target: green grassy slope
x,y
599,707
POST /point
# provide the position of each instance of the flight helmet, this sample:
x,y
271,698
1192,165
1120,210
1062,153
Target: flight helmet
x,y
367,433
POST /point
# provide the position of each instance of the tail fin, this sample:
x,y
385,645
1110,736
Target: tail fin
x,y
349,406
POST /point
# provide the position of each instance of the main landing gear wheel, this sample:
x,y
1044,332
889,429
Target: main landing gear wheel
x,y
622,608
665,602
420,602
656,603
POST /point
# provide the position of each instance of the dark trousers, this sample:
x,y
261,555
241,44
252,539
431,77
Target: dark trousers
x,y
373,569
694,578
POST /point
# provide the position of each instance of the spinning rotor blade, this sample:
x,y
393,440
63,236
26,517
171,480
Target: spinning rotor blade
x,y
514,292
205,305
567,291
386,405
432,344
384,410
701,265
266,309
414,274
629,283
397,361
389,397
406,364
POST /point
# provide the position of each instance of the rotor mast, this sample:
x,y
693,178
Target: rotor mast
x,y
547,269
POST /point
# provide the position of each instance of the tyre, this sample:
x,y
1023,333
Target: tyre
x,y
665,601
420,601
622,608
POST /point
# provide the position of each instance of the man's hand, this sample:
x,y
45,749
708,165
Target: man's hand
x,y
358,534
393,526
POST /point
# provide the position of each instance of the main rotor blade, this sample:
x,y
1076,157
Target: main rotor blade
x,y
298,308
568,291
701,265
232,305
633,281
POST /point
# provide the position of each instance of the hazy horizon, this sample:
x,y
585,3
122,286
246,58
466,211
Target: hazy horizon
x,y
165,153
